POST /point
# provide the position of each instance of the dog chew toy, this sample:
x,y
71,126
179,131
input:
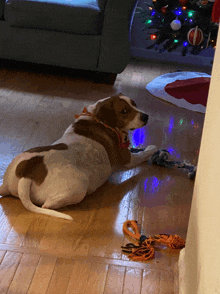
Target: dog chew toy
x,y
161,158
144,248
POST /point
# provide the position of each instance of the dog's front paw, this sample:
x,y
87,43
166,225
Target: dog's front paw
x,y
150,150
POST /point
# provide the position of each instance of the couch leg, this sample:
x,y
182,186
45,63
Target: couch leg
x,y
104,78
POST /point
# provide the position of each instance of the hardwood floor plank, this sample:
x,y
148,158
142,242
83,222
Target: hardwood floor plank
x,y
35,231
67,238
167,282
133,280
60,277
8,268
82,243
81,246
17,234
79,277
2,254
9,211
24,274
151,282
51,234
176,278
42,275
97,278
115,280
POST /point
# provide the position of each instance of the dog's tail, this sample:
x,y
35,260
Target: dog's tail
x,y
24,186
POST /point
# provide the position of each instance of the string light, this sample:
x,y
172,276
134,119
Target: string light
x,y
190,13
148,21
176,41
178,12
185,44
153,36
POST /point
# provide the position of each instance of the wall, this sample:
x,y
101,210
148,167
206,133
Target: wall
x,y
202,254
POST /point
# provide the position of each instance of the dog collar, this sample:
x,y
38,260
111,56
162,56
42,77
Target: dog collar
x,y
122,136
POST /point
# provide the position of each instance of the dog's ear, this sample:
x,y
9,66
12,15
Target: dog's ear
x,y
106,113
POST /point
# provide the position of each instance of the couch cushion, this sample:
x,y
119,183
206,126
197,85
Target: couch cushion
x,y
72,16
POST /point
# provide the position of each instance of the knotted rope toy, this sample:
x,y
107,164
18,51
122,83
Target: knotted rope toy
x,y
161,158
143,249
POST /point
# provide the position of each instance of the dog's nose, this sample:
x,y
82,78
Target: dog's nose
x,y
144,117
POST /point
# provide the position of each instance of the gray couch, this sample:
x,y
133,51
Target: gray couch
x,y
80,34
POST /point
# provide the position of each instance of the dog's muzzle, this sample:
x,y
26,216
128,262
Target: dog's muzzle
x,y
144,118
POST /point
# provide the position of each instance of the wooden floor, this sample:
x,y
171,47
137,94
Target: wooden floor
x,y
41,254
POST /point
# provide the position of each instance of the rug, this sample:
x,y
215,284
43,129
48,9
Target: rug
x,y
184,89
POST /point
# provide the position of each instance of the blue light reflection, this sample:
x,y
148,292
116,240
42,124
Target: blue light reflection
x,y
152,186
173,151
171,125
138,137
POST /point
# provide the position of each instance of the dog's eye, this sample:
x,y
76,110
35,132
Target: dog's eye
x,y
124,111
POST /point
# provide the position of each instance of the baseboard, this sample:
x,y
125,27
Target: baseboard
x,y
181,267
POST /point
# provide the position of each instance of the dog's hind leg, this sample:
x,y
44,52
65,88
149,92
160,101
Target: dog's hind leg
x,y
70,195
4,190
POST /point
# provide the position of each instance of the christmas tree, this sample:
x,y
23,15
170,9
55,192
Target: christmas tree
x,y
180,23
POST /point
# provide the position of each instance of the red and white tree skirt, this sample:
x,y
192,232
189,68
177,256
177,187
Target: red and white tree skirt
x,y
182,88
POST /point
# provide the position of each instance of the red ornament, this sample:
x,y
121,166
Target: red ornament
x,y
164,10
183,2
195,36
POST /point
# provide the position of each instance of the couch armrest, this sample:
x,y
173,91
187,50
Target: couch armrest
x,y
115,45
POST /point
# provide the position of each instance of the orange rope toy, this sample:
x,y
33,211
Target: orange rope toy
x,y
144,250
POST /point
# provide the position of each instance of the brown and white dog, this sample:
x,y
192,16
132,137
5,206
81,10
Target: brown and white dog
x,y
50,177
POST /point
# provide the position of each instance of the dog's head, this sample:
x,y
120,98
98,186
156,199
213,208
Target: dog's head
x,y
119,111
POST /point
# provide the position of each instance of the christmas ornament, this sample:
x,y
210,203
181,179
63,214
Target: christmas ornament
x,y
195,36
183,2
164,10
204,2
175,24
